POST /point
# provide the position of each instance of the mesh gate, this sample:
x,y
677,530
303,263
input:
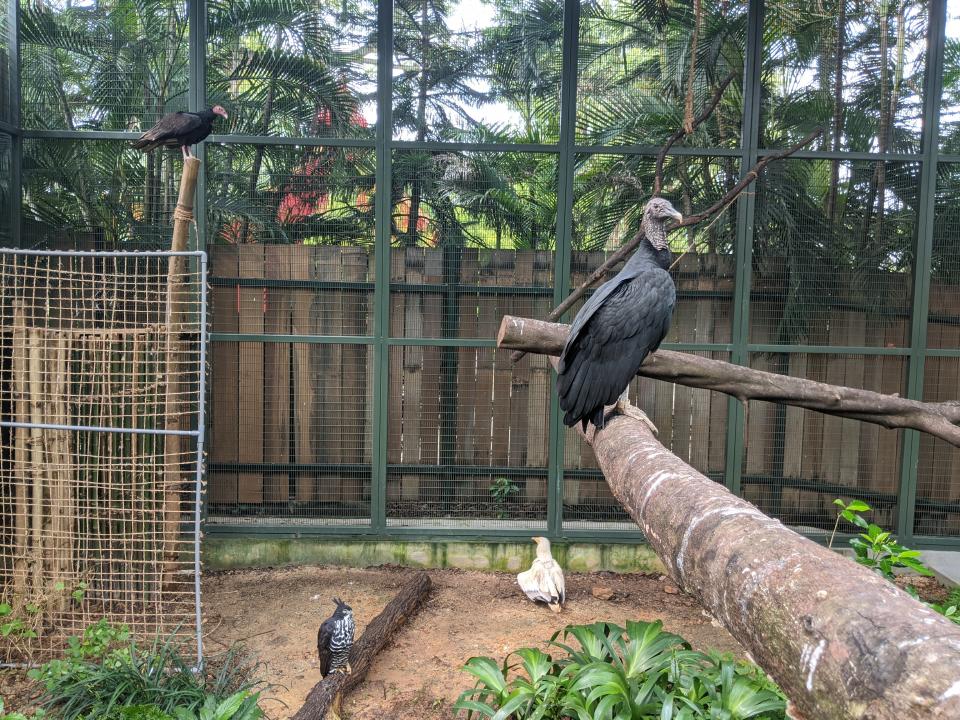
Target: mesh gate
x,y
102,358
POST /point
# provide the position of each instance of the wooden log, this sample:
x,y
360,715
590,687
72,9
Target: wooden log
x,y
174,410
941,419
325,695
840,640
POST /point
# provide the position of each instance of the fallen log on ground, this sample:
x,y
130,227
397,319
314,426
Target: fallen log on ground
x,y
842,642
325,695
940,419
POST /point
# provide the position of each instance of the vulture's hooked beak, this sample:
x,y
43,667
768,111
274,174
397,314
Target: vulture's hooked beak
x,y
677,216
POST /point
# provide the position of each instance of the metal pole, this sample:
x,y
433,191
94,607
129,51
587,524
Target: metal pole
x,y
930,139
198,478
381,294
564,243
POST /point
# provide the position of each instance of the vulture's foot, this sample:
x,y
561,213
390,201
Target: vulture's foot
x,y
555,607
624,407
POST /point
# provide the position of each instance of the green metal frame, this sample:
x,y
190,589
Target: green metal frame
x,y
739,348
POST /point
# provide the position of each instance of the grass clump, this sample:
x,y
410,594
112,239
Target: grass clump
x,y
105,675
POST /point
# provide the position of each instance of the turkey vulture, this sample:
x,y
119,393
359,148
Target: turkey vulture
x,y
543,582
334,640
624,321
180,129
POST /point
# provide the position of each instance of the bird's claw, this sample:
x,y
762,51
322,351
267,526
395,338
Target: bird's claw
x,y
624,407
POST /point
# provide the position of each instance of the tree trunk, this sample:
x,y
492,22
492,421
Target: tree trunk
x,y
173,446
416,184
940,419
831,204
841,641
326,693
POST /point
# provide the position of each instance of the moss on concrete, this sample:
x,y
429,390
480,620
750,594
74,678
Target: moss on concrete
x,y
239,551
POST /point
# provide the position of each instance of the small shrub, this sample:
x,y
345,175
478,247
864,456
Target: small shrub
x,y
879,550
501,489
635,672
104,675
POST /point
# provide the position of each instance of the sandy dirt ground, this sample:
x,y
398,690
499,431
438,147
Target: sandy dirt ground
x,y
275,613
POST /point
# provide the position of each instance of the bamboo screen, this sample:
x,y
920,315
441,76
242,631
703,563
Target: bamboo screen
x,y
101,389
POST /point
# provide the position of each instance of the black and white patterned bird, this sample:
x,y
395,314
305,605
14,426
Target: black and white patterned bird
x,y
335,639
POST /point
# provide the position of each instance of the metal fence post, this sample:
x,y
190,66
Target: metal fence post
x,y
381,296
743,252
930,140
564,246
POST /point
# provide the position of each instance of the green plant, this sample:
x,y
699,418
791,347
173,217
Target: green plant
x,y
637,672
4,715
879,550
105,675
501,489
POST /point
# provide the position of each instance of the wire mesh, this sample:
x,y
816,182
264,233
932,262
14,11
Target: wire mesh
x,y
6,172
477,72
108,65
467,438
102,383
635,76
856,69
284,194
290,433
938,468
303,68
949,128
8,32
97,195
943,320
834,268
692,424
796,461
475,235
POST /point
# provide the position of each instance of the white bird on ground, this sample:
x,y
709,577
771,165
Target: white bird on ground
x,y
543,582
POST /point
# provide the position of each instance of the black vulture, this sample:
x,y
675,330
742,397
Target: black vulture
x,y
334,640
180,130
623,321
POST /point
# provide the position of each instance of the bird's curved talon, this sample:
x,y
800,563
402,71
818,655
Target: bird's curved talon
x,y
624,407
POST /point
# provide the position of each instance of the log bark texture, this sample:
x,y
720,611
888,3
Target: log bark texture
x,y
375,637
842,642
173,403
940,419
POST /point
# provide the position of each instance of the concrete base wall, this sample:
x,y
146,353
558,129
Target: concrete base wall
x,y
238,551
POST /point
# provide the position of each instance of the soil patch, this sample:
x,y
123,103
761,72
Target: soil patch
x,y
275,613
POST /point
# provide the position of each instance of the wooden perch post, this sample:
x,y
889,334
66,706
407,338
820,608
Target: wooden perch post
x,y
841,641
325,695
174,410
941,419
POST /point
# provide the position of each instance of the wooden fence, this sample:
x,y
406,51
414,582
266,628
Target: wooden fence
x,y
471,412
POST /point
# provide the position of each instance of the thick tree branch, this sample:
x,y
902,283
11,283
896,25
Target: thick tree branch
x,y
842,642
632,244
941,419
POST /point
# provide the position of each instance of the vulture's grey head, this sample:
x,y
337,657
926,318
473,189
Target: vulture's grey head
x,y
655,216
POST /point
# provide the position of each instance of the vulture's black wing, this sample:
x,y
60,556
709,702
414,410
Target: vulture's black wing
x,y
610,340
324,635
172,130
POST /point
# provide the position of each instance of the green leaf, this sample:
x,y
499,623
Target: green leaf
x,y
858,506
5,609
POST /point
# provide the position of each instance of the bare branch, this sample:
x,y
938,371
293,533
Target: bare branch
x,y
707,112
632,244
941,419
